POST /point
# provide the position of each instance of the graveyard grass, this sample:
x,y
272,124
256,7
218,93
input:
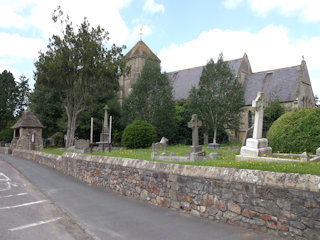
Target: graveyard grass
x,y
226,159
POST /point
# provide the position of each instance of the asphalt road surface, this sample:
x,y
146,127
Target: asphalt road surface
x,y
25,213
107,215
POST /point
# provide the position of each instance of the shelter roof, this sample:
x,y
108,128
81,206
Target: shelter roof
x,y
28,120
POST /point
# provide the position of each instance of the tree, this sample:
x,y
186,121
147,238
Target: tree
x,y
8,95
13,97
45,103
77,65
219,98
182,117
151,100
271,113
23,95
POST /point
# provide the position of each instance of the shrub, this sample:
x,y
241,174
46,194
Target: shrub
x,y
6,135
58,139
272,112
297,131
139,134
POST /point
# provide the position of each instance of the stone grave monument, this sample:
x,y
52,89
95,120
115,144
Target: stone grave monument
x,y
82,145
257,146
195,149
160,146
104,136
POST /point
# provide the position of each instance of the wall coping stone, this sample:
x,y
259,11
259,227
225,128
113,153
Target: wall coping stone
x,y
305,182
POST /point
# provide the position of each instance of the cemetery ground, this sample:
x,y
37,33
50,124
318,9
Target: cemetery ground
x,y
226,158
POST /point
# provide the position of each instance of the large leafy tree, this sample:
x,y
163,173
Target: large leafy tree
x,y
23,95
151,100
219,98
8,96
78,65
13,97
182,117
46,104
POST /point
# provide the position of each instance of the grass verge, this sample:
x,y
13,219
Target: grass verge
x,y
225,159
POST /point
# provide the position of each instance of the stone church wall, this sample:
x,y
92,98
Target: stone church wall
x,y
278,203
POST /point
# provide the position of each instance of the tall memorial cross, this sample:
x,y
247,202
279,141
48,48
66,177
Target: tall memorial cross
x,y
195,123
105,122
258,104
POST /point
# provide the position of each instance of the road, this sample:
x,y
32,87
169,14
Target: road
x,y
25,213
107,215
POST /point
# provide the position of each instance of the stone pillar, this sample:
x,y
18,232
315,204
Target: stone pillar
x,y
104,136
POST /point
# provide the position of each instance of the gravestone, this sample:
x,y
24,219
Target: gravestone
x,y
82,145
160,146
249,134
205,139
257,146
195,149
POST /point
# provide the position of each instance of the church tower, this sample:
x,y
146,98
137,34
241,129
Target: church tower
x,y
135,60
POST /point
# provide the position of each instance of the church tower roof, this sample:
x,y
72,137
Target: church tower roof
x,y
141,50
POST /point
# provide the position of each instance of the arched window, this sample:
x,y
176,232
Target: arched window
x,y
249,119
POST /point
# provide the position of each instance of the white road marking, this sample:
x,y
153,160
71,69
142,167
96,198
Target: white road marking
x,y
34,224
15,195
5,178
23,205
7,187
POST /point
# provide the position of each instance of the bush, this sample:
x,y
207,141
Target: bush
x,y
58,139
139,134
6,135
272,112
296,132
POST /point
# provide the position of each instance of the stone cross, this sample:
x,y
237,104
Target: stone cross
x,y
105,122
258,105
141,32
195,123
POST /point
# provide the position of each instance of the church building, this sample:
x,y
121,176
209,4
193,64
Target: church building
x,y
290,85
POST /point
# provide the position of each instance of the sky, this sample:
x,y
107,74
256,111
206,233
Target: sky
x,y
183,33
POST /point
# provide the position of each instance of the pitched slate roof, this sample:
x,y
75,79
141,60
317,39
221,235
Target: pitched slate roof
x,y
28,119
140,50
280,83
183,80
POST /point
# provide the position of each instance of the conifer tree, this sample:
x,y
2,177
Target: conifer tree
x,y
151,100
219,98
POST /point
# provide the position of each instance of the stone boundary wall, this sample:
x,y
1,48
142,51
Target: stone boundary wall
x,y
283,204
5,150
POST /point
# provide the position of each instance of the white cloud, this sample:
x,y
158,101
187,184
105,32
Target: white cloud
x,y
231,3
308,10
40,12
267,49
152,7
34,16
8,18
13,45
